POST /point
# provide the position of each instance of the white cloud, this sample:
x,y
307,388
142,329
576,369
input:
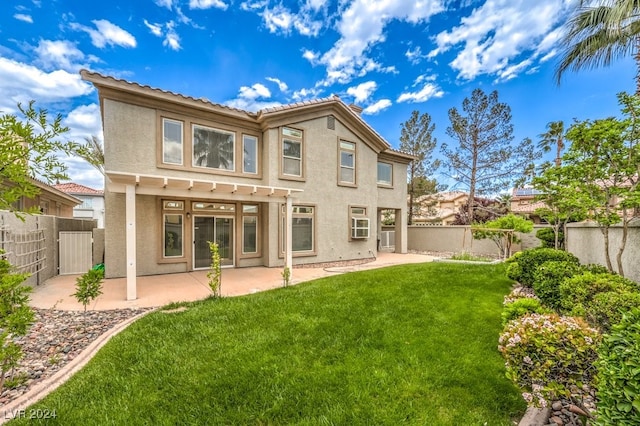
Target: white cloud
x,y
206,4
281,19
362,26
362,91
156,29
377,107
310,56
24,18
302,94
252,98
164,3
21,82
84,121
415,56
106,34
281,84
502,31
167,30
60,54
428,91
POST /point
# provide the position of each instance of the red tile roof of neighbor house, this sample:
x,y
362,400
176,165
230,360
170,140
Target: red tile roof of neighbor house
x,y
528,208
77,189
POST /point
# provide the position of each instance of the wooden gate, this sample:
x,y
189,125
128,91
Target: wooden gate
x,y
75,252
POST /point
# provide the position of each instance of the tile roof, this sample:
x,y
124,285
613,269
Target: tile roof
x,y
527,208
77,189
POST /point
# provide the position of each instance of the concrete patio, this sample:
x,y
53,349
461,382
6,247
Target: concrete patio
x,y
159,290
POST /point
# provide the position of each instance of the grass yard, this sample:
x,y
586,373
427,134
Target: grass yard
x,y
412,344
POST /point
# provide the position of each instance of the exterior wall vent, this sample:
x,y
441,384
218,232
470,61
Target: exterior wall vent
x,y
331,122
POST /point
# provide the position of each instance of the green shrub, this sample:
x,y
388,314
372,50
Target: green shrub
x,y
529,260
618,377
606,309
549,276
521,307
514,271
519,292
548,238
546,355
594,268
89,286
578,291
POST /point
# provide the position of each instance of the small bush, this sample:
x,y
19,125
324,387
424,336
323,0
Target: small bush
x,y
89,286
606,309
548,238
549,276
529,260
578,291
514,271
521,307
594,268
545,355
519,292
618,377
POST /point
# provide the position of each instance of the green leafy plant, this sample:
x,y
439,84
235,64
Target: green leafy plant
x,y
502,231
89,286
521,307
547,238
549,276
606,309
546,355
577,292
286,276
529,260
618,377
15,316
470,257
215,273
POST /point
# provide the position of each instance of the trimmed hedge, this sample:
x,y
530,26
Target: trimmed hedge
x,y
549,276
528,262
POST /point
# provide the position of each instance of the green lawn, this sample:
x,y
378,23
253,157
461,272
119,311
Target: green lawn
x,y
413,344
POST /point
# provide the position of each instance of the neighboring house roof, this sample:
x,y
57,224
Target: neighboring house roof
x,y
526,192
440,215
77,189
528,208
265,118
54,191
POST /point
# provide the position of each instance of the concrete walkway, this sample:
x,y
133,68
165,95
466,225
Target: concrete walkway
x,y
160,290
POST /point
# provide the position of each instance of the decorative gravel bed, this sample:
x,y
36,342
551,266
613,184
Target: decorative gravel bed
x,y
55,338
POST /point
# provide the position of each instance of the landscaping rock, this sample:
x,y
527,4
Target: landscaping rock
x,y
54,339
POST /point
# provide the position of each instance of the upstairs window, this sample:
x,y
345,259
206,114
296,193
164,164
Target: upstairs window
x,y
347,172
385,173
171,141
291,152
213,148
249,154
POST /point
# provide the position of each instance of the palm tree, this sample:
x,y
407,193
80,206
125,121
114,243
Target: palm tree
x,y
92,152
554,136
598,35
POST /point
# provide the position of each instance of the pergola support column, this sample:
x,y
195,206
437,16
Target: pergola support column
x,y
288,251
130,217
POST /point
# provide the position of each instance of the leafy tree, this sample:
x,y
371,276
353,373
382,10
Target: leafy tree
x,y
502,231
89,286
600,33
29,147
484,159
486,210
563,199
604,163
92,152
416,138
553,137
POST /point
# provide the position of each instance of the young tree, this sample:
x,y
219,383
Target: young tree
x,y
502,231
29,147
562,197
416,138
484,159
604,161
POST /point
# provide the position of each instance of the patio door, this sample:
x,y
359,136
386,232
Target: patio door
x,y
215,229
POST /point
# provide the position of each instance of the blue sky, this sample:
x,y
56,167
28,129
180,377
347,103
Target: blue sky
x,y
389,56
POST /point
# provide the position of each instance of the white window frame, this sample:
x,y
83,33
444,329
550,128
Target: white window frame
x,y
349,148
164,158
292,136
358,222
384,182
244,154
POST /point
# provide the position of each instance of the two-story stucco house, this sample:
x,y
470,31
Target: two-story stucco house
x,y
296,184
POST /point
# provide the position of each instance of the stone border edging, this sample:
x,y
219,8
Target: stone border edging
x,y
535,417
48,385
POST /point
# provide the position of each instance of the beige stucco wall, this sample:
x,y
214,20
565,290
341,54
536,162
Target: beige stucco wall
x,y
131,146
586,241
458,238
